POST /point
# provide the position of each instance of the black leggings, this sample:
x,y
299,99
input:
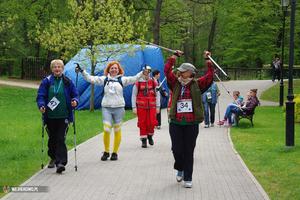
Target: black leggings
x,y
57,130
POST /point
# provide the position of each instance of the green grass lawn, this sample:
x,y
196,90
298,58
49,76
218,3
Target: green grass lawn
x,y
262,148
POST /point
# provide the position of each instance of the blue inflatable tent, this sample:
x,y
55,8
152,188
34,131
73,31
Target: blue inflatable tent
x,y
150,56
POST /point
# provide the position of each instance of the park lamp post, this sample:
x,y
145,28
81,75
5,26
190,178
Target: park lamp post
x,y
285,5
290,104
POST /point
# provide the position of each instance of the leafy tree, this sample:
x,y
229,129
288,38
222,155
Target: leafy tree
x,y
94,24
248,31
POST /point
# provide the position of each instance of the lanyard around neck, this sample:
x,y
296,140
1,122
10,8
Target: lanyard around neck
x,y
182,90
56,91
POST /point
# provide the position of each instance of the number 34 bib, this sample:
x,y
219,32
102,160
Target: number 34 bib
x,y
184,105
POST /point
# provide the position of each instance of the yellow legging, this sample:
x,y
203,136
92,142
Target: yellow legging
x,y
117,139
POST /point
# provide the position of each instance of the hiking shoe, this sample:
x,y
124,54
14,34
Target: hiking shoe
x,y
114,156
187,184
150,140
179,176
212,125
206,126
51,164
105,156
220,123
227,125
144,143
60,168
224,120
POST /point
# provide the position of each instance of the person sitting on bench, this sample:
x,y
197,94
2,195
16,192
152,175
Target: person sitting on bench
x,y
248,109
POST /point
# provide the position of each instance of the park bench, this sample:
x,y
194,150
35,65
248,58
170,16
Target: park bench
x,y
238,117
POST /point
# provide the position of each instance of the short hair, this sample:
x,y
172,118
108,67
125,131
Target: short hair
x,y
106,71
155,72
57,61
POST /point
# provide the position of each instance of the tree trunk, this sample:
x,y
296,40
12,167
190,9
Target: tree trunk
x,y
92,108
92,98
156,22
212,31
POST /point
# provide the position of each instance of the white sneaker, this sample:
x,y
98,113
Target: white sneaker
x,y
188,184
212,125
206,126
179,176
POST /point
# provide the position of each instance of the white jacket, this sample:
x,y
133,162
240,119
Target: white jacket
x,y
113,91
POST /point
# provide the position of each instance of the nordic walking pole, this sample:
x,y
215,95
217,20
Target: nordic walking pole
x,y
218,66
219,108
74,127
160,84
42,165
173,51
224,86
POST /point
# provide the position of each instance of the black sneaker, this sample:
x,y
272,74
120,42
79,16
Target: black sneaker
x,y
144,143
150,140
105,156
51,164
114,156
60,168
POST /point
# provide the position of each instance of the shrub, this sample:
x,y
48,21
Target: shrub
x,y
297,108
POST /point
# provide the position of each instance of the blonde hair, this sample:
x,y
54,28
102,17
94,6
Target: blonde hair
x,y
106,71
57,61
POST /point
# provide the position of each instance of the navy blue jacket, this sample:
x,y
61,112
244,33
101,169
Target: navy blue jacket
x,y
69,89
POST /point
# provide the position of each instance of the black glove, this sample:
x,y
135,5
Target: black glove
x,y
78,67
176,54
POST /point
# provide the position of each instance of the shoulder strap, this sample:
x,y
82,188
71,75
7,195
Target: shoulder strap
x,y
105,81
120,81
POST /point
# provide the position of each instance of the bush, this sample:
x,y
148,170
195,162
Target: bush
x,y
297,108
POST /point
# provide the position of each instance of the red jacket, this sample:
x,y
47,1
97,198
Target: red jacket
x,y
146,97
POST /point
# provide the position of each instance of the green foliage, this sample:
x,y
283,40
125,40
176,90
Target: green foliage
x,y
262,149
93,25
249,31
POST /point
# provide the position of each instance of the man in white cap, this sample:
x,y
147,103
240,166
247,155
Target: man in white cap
x,y
146,104
186,112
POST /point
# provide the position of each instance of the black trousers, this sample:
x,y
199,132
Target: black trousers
x,y
183,139
158,118
57,130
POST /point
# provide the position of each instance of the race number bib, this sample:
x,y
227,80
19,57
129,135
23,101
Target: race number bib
x,y
208,95
184,105
112,89
53,103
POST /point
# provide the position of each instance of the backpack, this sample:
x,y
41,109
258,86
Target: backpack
x,y
105,81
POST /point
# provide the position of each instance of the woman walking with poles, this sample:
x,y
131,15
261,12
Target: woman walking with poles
x,y
186,112
56,97
113,102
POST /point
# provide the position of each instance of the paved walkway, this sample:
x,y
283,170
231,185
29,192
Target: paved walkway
x,y
219,171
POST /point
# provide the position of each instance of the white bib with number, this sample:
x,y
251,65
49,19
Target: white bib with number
x,y
208,95
184,105
53,103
